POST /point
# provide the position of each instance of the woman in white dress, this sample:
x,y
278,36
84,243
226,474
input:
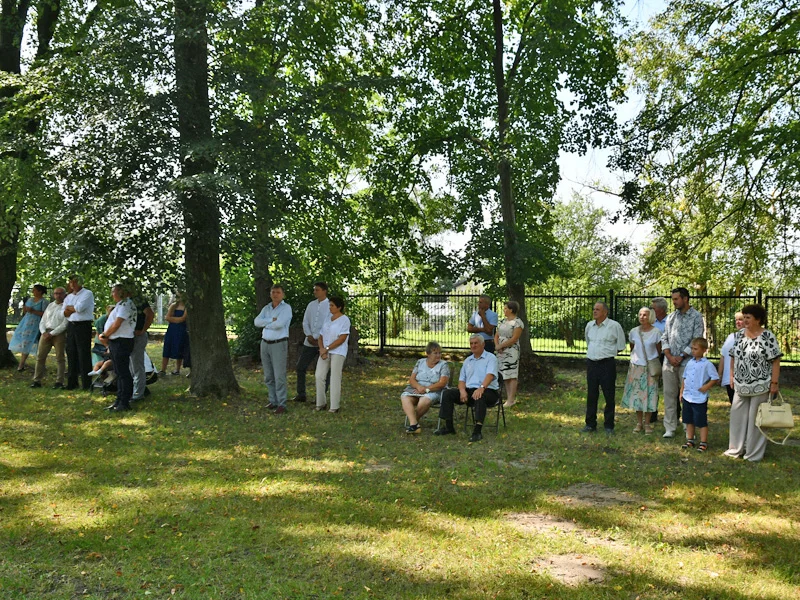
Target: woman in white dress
x,y
506,344
428,379
641,388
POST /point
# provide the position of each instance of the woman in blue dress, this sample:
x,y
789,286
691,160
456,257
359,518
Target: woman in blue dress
x,y
26,335
176,338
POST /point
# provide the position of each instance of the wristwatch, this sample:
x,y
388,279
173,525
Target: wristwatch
x,y
481,386
427,390
327,348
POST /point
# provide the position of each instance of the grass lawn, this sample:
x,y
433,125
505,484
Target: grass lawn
x,y
220,499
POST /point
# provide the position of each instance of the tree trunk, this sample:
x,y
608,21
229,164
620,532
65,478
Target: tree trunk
x,y
12,28
532,367
212,372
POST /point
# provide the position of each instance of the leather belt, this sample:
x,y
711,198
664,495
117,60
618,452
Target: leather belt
x,y
286,339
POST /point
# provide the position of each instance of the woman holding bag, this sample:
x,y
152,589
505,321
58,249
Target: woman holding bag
x,y
755,368
641,385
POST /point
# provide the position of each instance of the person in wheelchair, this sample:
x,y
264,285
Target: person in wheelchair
x,y
477,385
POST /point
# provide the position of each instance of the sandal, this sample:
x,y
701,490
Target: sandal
x,y
688,445
702,447
638,428
648,430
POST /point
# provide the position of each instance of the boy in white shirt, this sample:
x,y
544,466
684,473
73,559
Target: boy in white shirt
x,y
698,378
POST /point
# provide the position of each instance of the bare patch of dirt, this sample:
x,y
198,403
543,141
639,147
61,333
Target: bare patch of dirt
x,y
572,569
593,494
539,523
528,462
549,525
376,467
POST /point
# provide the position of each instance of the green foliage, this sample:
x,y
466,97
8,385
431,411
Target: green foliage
x,y
713,155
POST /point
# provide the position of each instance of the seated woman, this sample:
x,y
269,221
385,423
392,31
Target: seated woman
x,y
428,378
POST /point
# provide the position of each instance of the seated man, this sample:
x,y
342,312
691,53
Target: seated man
x,y
477,385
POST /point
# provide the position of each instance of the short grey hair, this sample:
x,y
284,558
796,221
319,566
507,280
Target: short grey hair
x,y
75,277
660,302
477,336
432,346
603,304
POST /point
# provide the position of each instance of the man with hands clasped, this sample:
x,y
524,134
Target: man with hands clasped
x,y
477,385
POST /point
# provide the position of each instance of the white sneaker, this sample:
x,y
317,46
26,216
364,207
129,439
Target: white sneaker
x,y
93,373
669,434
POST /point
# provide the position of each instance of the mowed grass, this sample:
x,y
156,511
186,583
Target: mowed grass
x,y
193,498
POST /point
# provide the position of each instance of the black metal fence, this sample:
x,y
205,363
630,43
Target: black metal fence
x,y
556,320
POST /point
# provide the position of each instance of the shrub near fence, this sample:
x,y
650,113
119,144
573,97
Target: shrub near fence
x,y
556,320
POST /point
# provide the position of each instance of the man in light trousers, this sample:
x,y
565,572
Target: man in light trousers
x,y
274,321
683,325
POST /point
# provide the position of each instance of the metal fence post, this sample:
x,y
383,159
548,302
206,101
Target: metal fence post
x,y
758,297
382,321
612,304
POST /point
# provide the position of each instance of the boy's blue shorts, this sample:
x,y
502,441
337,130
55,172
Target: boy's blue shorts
x,y
695,414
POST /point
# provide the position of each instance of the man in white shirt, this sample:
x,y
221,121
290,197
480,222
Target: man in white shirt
x,y
53,328
118,335
79,312
604,340
317,312
477,385
274,320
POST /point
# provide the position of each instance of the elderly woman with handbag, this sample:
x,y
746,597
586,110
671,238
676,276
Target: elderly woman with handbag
x,y
755,368
641,385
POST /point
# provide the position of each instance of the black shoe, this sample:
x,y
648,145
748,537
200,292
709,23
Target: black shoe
x,y
444,431
299,398
58,386
588,429
113,406
476,436
271,406
414,429
36,384
69,388
609,430
146,392
120,408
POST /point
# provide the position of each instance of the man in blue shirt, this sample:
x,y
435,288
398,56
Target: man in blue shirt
x,y
477,385
275,318
483,321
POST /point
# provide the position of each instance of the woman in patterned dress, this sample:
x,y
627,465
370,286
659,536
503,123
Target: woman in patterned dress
x,y
428,378
506,344
26,336
641,388
755,369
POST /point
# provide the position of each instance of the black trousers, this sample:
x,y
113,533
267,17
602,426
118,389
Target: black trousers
x,y
79,353
601,374
307,356
121,349
452,396
489,346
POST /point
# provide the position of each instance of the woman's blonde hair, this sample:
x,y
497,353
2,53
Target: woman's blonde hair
x,y
651,314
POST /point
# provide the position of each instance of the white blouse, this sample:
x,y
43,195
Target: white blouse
x,y
651,338
331,330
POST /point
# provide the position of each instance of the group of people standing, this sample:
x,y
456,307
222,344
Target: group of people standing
x,y
67,324
672,348
326,329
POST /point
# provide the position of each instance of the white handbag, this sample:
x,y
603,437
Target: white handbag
x,y
775,414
